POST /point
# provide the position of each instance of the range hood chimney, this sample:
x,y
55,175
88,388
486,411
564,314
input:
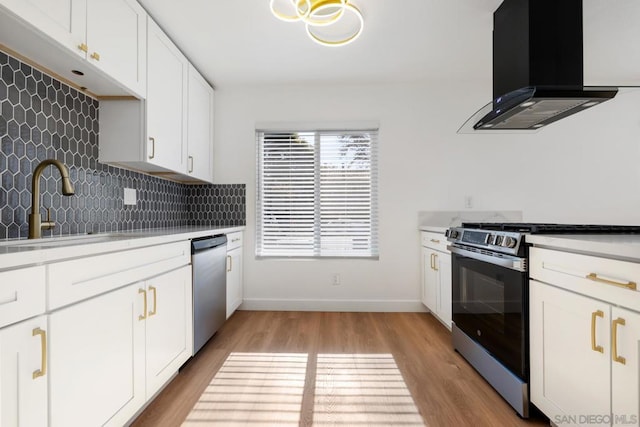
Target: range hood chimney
x,y
537,66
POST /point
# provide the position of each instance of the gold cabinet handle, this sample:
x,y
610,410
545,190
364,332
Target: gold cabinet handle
x,y
435,262
143,316
190,164
43,362
96,56
595,347
435,241
83,47
614,340
431,261
153,147
155,301
230,263
595,278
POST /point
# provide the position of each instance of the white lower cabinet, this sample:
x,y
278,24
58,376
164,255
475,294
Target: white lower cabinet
x,y
625,367
112,353
97,360
234,272
169,336
568,377
584,350
24,373
436,276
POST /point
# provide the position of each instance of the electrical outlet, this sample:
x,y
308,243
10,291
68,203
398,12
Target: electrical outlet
x,y
130,196
468,202
336,279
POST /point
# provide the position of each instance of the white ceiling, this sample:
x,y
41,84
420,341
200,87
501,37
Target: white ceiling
x,y
235,42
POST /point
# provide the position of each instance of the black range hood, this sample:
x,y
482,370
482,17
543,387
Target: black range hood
x,y
537,66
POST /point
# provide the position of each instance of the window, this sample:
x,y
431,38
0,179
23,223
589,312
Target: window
x,y
316,194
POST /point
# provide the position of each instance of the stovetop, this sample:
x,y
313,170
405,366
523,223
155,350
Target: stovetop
x,y
542,228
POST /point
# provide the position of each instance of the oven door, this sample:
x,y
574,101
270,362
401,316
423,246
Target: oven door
x,y
490,305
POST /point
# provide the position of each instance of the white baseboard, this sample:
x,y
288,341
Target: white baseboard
x,y
333,305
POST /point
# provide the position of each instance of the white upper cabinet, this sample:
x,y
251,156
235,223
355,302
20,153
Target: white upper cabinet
x,y
199,127
171,132
115,40
66,35
62,20
166,101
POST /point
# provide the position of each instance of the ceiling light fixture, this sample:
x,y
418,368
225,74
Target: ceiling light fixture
x,y
327,22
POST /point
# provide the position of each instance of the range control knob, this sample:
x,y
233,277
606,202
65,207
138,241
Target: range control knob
x,y
509,242
452,233
498,241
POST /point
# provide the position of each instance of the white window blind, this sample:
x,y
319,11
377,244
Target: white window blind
x,y
316,194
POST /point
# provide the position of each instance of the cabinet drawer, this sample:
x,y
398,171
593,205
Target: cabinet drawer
x,y
22,294
234,240
75,280
609,280
433,240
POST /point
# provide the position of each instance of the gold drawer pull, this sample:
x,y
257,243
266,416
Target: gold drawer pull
x,y
96,56
595,278
435,262
595,347
431,261
435,241
83,47
155,301
614,340
43,362
230,263
143,316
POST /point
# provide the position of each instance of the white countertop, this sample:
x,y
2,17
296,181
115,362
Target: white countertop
x,y
446,219
19,253
624,246
433,228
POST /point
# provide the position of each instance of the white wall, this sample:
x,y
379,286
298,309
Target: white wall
x,y
583,169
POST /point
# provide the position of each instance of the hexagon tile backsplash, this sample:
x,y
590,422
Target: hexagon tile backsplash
x,y
41,118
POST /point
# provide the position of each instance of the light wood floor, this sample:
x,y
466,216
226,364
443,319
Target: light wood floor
x,y
445,388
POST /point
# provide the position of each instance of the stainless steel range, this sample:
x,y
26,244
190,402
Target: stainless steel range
x,y
490,299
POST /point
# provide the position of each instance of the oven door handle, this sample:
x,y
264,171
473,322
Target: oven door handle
x,y
512,263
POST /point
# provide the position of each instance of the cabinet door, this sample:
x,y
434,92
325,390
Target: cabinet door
x,y
97,360
116,40
625,370
429,279
23,374
200,127
443,262
62,20
166,101
234,280
169,336
568,377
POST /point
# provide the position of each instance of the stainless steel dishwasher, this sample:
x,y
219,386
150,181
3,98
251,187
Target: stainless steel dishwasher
x,y
209,263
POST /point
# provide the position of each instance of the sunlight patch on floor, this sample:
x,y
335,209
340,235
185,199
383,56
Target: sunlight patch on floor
x,y
253,389
267,389
362,389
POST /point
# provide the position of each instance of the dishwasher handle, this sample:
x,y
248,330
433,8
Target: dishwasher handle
x,y
208,242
